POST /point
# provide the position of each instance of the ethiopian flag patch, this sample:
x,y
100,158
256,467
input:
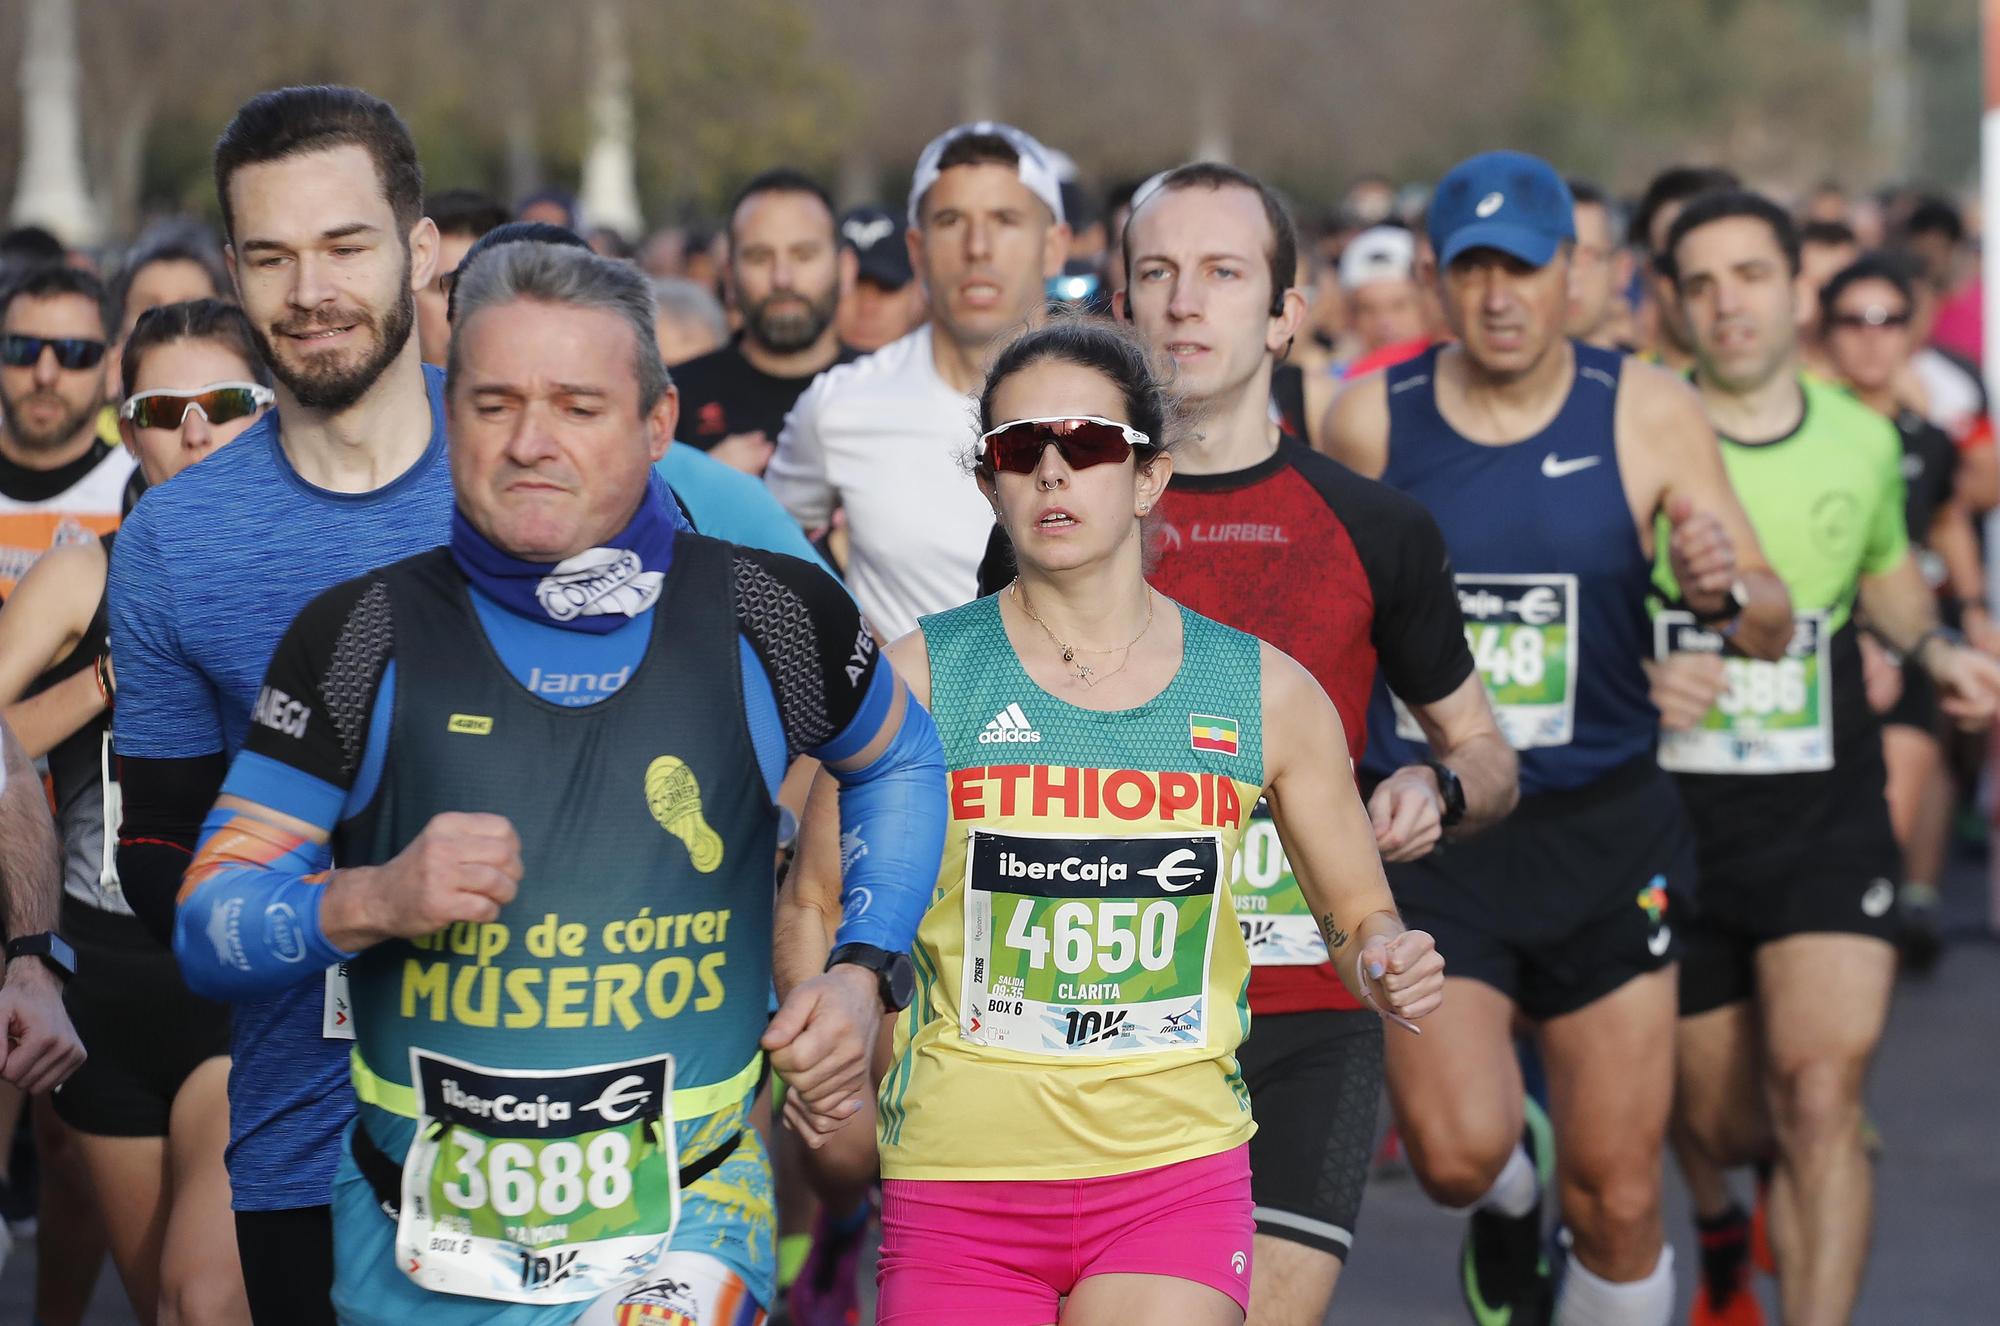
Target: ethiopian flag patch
x,y
1212,732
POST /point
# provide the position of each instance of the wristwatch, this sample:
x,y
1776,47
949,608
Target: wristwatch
x,y
1452,790
50,947
894,976
1733,604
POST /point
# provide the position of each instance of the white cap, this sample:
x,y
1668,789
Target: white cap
x,y
1380,253
1038,170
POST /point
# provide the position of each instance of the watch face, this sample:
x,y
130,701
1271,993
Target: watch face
x,y
902,977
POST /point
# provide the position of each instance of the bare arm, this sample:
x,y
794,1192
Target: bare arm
x,y
39,627
1355,429
1463,733
1331,845
38,1046
1673,467
30,861
1902,610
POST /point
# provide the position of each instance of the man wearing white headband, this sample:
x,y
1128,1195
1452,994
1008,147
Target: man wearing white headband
x,y
882,436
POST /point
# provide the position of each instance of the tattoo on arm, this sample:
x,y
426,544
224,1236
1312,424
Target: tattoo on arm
x,y
1336,938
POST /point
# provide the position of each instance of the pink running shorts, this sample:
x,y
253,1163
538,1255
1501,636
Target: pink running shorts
x,y
1005,1253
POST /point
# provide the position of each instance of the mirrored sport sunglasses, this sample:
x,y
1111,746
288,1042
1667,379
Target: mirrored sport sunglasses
x,y
1081,440
218,402
71,351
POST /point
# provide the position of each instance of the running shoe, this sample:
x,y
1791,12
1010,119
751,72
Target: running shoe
x,y
826,1292
1724,1296
1503,1270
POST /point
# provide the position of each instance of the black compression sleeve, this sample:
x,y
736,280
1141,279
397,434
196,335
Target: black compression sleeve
x,y
164,804
805,629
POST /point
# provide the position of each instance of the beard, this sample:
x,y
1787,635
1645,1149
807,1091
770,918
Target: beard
x,y
325,382
796,323
32,438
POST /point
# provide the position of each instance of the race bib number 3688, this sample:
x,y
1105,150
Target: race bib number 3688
x,y
537,1187
1089,947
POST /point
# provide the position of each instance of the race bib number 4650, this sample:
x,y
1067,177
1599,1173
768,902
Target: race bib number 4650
x,y
1522,630
1773,718
1089,947
537,1187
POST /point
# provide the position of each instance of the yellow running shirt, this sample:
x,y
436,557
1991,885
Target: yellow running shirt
x,y
1082,983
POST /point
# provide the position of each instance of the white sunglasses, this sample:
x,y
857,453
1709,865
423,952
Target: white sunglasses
x,y
217,403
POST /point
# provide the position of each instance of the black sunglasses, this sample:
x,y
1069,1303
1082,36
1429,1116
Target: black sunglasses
x,y
18,351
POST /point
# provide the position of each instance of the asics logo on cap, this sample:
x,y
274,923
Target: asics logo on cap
x,y
1010,725
1490,204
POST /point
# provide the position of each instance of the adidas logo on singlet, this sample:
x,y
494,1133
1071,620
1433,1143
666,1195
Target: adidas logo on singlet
x,y
1009,725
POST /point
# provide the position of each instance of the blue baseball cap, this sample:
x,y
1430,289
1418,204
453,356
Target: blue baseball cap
x,y
1508,201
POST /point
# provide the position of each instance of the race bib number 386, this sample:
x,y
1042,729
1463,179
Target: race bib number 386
x,y
1522,631
1773,718
1089,947
537,1187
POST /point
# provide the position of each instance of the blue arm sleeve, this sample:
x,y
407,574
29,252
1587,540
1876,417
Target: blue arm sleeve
x,y
892,825
252,926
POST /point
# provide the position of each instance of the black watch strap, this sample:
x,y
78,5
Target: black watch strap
x,y
50,947
895,977
1452,790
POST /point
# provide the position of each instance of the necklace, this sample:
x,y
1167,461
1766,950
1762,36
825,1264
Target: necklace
x,y
1084,672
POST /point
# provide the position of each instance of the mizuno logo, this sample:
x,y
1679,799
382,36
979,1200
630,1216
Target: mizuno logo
x,y
1175,873
1554,468
1008,726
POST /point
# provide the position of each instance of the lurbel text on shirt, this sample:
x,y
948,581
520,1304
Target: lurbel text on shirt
x,y
1175,537
1053,791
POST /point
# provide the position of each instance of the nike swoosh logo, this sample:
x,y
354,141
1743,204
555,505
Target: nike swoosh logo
x,y
1552,468
1657,943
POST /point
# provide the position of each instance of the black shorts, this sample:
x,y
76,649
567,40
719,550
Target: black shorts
x,y
1917,706
1565,900
145,1032
1315,1084
1812,855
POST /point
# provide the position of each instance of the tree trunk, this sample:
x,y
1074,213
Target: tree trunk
x,y
51,191
610,193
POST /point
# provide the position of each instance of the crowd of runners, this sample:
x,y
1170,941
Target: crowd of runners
x,y
547,783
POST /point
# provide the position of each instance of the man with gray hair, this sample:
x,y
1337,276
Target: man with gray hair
x,y
546,758
690,322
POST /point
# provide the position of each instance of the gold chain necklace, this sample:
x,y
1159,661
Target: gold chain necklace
x,y
1084,672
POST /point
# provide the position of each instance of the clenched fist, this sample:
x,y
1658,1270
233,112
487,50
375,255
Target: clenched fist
x,y
462,867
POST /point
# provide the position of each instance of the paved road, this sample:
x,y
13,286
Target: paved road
x,y
1933,1097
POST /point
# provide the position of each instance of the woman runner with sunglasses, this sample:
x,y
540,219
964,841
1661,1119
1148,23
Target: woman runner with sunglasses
x,y
1064,1117
150,1106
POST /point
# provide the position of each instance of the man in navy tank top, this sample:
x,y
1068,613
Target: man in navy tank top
x,y
1550,466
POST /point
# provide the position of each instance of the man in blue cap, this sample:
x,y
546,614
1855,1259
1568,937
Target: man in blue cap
x,y
1552,467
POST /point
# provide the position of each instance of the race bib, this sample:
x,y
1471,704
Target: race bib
x,y
1775,716
336,1011
1522,631
1088,947
1278,928
538,1187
